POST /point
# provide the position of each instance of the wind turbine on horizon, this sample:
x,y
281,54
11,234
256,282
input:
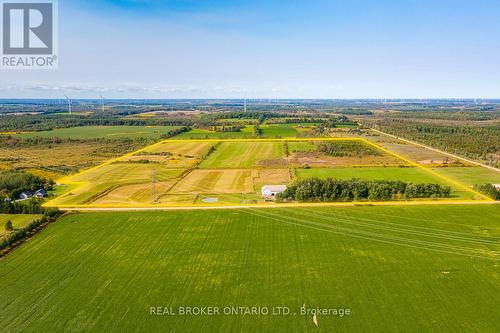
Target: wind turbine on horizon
x,y
102,103
69,103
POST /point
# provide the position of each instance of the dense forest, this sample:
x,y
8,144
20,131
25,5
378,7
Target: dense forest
x,y
448,115
330,190
473,141
49,122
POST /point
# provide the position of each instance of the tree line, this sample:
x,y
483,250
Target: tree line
x,y
330,190
489,190
53,121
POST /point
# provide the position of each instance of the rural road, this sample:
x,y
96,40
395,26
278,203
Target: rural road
x,y
293,205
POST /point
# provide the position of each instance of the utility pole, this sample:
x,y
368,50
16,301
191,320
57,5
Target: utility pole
x,y
154,180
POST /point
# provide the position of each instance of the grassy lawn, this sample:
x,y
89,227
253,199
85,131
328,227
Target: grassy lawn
x,y
470,176
18,221
398,269
108,132
243,154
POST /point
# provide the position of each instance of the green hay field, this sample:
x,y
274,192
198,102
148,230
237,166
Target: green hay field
x,y
108,132
372,173
397,269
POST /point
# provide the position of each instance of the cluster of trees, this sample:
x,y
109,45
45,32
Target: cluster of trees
x,y
257,131
14,182
355,112
31,206
480,142
329,190
175,132
226,128
489,190
347,148
13,237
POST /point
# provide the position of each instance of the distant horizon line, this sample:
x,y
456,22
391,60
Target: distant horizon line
x,y
454,99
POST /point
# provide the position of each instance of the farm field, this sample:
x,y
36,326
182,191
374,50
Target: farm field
x,y
411,269
108,132
174,172
18,221
470,175
96,183
243,154
410,174
286,130
215,181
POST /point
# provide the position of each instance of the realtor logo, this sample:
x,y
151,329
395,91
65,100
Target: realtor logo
x,y
29,34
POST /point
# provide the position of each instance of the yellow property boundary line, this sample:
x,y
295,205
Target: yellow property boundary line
x,y
65,180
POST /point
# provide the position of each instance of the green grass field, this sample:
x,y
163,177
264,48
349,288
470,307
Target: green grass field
x,y
398,269
372,173
470,176
108,132
18,221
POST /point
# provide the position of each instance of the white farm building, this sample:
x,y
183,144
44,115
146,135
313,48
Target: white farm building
x,y
270,191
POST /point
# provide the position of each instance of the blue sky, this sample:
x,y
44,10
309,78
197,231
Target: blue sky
x,y
270,49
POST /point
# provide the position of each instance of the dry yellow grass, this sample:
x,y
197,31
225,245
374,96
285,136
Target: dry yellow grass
x,y
134,194
271,177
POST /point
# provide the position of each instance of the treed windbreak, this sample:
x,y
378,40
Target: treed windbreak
x,y
328,190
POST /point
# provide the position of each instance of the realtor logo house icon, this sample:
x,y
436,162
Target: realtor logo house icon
x,y
27,28
29,34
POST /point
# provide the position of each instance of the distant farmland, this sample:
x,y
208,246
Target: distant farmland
x,y
109,132
398,269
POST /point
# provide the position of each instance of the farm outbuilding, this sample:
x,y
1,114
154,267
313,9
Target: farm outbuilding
x,y
269,192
